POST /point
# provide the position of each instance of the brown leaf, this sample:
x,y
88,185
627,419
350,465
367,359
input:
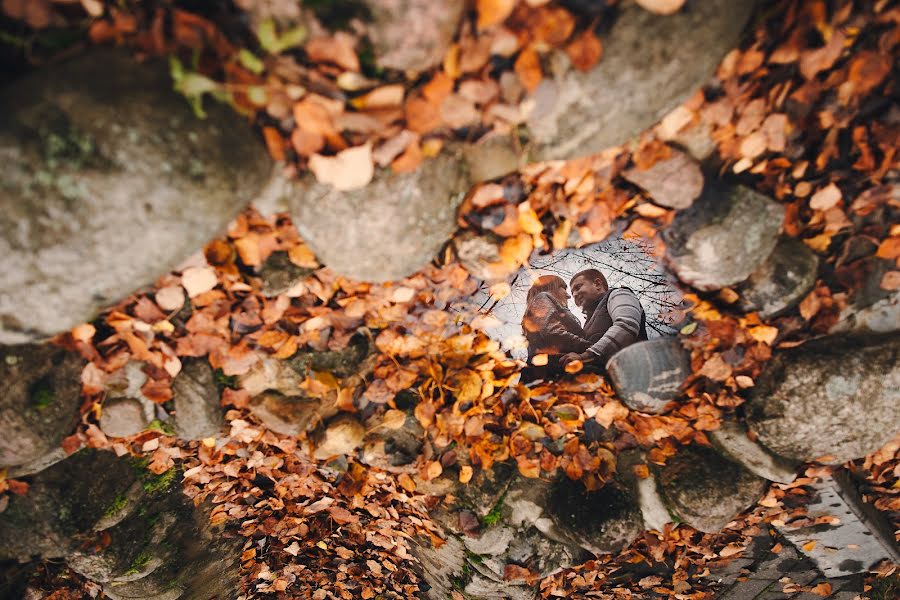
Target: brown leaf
x,y
585,50
825,198
814,61
492,12
528,68
338,49
348,170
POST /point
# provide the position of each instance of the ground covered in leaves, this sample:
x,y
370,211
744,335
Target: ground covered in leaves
x,y
805,111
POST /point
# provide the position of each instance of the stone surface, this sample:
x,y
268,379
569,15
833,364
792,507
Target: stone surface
x,y
342,436
477,252
861,538
724,237
706,490
412,35
387,448
387,230
732,441
782,281
63,502
279,274
40,400
836,396
198,412
291,415
650,64
648,375
121,417
674,182
492,157
882,316
100,155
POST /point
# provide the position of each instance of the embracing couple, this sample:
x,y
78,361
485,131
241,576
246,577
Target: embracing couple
x,y
614,319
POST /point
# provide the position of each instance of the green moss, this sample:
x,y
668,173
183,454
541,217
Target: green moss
x,y
156,483
885,588
117,505
157,425
41,394
139,562
495,514
225,381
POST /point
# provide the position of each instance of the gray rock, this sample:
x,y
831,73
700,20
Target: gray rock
x,y
100,155
291,415
121,417
724,237
879,317
387,448
732,441
861,538
387,230
39,405
412,35
706,490
476,252
198,412
342,436
650,64
492,157
782,281
648,375
674,182
837,396
63,502
279,274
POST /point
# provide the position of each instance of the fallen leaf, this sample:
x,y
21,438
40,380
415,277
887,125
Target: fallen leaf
x,y
825,198
492,12
661,7
198,280
394,419
891,281
348,170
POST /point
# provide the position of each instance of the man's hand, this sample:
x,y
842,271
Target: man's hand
x,y
571,356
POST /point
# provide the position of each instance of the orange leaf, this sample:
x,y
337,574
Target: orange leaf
x,y
528,68
492,12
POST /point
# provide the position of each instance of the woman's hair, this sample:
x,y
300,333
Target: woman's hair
x,y
545,283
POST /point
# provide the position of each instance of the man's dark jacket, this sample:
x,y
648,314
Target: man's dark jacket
x,y
617,321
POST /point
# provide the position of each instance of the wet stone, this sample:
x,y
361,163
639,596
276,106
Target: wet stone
x,y
882,316
724,237
650,64
706,490
387,230
648,375
290,415
861,538
836,397
782,281
198,412
39,405
732,440
674,182
99,155
412,35
279,274
121,417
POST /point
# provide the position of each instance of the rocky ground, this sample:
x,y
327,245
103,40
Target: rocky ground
x,y
301,401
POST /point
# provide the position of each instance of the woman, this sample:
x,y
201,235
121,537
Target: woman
x,y
549,326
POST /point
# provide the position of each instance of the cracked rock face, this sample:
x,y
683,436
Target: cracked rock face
x,y
651,63
99,158
782,281
387,230
836,396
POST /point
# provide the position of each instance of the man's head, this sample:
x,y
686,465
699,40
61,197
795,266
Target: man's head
x,y
588,287
553,285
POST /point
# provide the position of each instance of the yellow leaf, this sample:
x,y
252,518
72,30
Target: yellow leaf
x,y
528,219
764,334
492,12
539,360
808,546
465,474
394,419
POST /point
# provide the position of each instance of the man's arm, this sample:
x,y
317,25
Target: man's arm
x,y
625,310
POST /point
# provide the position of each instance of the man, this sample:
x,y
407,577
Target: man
x,y
615,318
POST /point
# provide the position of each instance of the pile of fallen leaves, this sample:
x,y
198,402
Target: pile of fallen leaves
x,y
803,111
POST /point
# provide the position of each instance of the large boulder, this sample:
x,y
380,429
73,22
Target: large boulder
x,y
706,490
724,237
109,181
650,64
387,230
836,397
648,375
40,400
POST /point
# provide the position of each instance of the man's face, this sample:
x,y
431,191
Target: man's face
x,y
587,292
